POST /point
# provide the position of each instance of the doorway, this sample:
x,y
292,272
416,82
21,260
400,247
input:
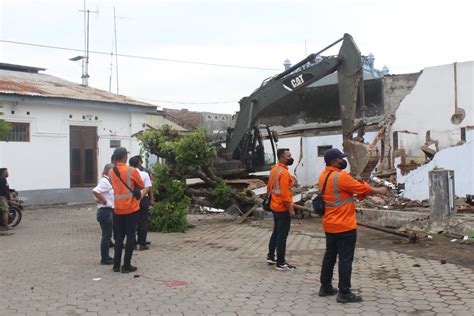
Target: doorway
x,y
83,155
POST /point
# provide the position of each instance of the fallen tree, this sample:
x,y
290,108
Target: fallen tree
x,y
186,156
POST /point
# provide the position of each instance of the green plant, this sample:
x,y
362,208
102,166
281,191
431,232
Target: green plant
x,y
221,195
169,213
5,127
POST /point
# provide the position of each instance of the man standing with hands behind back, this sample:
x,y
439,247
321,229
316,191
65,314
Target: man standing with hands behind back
x,y
339,223
125,179
279,184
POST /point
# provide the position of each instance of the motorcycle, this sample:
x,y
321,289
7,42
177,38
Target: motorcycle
x,y
15,210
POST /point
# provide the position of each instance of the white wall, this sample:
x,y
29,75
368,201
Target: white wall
x,y
43,163
311,166
430,106
458,158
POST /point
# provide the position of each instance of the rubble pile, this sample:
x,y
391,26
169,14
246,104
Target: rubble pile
x,y
391,202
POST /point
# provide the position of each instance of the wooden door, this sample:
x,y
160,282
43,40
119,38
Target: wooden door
x,y
83,155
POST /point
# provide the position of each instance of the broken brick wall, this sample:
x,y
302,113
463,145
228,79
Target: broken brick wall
x,y
427,112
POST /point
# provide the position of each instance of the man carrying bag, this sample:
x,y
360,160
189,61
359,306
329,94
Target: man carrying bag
x,y
127,183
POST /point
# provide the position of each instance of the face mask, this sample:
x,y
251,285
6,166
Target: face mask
x,y
343,165
290,161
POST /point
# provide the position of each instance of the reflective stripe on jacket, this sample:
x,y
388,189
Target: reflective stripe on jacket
x,y
280,183
124,201
340,212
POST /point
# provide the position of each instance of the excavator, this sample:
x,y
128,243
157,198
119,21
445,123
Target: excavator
x,y
244,150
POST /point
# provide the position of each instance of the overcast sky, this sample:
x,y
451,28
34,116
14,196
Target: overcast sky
x,y
404,35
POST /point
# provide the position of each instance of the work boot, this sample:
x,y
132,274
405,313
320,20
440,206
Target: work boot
x,y
327,291
348,298
128,269
116,269
143,247
108,261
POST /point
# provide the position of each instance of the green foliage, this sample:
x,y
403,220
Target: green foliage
x,y
5,128
171,207
186,154
193,152
221,195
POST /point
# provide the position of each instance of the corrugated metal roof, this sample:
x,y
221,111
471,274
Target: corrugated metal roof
x,y
47,86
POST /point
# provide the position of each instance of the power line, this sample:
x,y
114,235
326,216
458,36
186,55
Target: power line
x,y
139,57
184,102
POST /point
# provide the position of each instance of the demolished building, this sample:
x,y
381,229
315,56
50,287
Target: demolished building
x,y
422,113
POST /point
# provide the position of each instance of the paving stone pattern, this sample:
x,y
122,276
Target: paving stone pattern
x,y
49,265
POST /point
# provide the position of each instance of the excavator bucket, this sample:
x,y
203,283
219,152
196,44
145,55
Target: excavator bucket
x,y
363,158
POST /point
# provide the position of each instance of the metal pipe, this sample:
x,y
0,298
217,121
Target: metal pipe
x,y
412,237
311,57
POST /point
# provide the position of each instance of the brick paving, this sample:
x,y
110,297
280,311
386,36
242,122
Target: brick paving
x,y
49,265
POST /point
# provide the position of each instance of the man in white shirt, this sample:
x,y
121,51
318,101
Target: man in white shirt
x,y
104,195
145,202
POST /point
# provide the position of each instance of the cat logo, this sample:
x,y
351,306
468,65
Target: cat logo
x,y
297,81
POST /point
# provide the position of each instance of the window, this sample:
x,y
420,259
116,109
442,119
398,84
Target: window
x,y
322,150
20,132
114,143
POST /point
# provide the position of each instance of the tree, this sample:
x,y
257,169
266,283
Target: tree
x,y
5,127
186,156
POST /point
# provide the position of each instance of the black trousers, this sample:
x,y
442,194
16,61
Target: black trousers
x,y
281,229
342,245
125,225
144,215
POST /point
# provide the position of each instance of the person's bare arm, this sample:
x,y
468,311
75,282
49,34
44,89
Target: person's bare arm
x,y
379,190
99,197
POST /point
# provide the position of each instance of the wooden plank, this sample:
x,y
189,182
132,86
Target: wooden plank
x,y
244,216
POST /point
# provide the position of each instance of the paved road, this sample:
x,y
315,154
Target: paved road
x,y
49,265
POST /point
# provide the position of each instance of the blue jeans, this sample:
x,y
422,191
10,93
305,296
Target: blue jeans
x,y
105,219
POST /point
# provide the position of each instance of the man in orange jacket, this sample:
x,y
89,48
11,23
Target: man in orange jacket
x,y
339,223
279,184
126,206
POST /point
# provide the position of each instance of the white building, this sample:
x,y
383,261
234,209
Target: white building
x,y
63,133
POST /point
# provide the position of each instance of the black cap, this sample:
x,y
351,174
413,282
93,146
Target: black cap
x,y
119,153
332,154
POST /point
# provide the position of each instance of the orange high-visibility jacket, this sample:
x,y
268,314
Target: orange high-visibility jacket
x,y
340,211
125,202
280,183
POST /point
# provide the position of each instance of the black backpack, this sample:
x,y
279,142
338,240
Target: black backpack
x,y
318,203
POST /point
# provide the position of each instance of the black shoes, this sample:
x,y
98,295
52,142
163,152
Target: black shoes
x,y
271,260
147,243
116,269
348,298
285,267
108,261
327,291
128,269
143,247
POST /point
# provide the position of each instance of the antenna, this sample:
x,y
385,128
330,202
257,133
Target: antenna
x,y
111,68
116,55
85,58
